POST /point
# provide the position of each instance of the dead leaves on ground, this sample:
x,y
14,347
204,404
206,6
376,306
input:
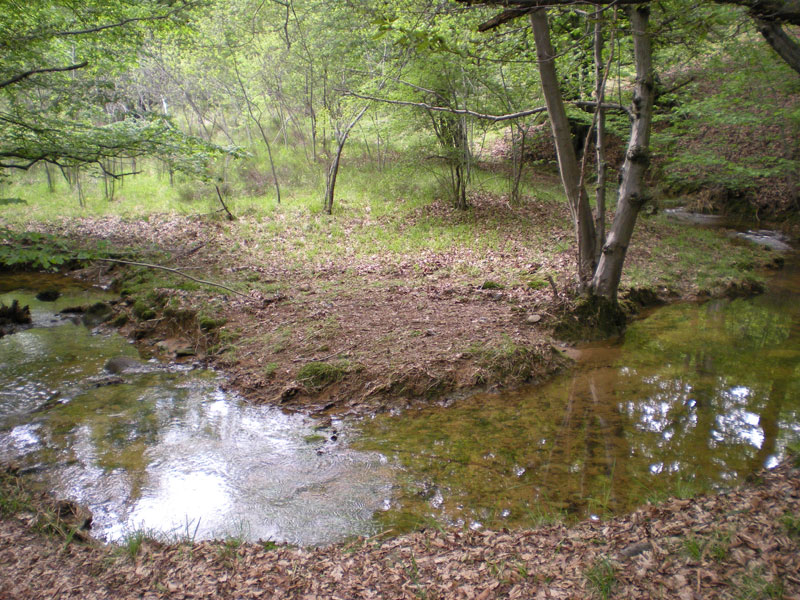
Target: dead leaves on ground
x,y
731,545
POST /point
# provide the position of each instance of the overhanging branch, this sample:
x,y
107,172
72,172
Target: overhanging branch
x,y
455,111
26,74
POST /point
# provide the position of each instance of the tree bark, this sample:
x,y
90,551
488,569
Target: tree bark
x,y
568,166
786,47
631,192
600,144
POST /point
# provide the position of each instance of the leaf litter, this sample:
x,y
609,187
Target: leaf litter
x,y
734,544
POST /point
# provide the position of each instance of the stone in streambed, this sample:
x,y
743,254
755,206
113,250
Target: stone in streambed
x,y
50,295
123,364
97,313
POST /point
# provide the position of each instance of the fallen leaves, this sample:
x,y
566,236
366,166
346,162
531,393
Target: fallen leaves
x,y
741,532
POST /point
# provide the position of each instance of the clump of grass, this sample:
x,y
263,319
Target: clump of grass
x,y
13,499
506,359
752,585
270,369
693,547
317,375
132,542
791,523
602,577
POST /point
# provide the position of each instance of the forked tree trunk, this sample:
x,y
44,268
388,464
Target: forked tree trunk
x,y
567,161
637,158
601,279
333,169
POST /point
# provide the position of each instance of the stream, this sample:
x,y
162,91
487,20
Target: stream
x,y
693,397
166,450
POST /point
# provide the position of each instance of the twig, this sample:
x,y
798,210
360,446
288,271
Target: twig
x,y
176,271
553,285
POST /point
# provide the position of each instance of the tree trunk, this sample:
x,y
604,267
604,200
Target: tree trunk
x,y
631,192
600,144
333,170
786,46
567,160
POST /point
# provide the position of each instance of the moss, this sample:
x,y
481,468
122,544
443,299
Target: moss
x,y
143,310
537,283
208,323
492,285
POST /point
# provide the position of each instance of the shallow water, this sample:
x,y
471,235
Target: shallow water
x,y
694,397
168,450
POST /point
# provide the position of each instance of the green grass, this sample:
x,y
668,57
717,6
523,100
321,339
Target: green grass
x,y
318,375
753,585
132,542
602,578
696,255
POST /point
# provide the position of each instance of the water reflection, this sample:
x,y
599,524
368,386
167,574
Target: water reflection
x,y
169,451
695,396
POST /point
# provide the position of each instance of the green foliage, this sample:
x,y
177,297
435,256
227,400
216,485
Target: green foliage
x,y
60,103
721,135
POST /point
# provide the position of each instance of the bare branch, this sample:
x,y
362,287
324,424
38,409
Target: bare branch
x,y
25,75
171,270
605,106
455,111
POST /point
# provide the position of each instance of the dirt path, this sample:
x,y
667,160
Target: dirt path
x,y
741,544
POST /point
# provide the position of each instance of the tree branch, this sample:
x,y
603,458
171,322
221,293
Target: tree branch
x,y
605,106
25,75
778,11
455,111
176,271
786,46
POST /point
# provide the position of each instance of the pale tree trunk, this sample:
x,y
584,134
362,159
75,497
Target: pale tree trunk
x,y
637,157
257,121
600,144
567,161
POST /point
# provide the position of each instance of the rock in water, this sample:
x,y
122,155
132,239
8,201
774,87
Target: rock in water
x,y
97,313
123,364
48,295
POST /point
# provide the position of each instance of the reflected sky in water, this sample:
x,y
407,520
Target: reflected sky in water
x,y
170,451
694,397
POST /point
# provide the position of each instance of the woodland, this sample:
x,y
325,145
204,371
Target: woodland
x,y
359,207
